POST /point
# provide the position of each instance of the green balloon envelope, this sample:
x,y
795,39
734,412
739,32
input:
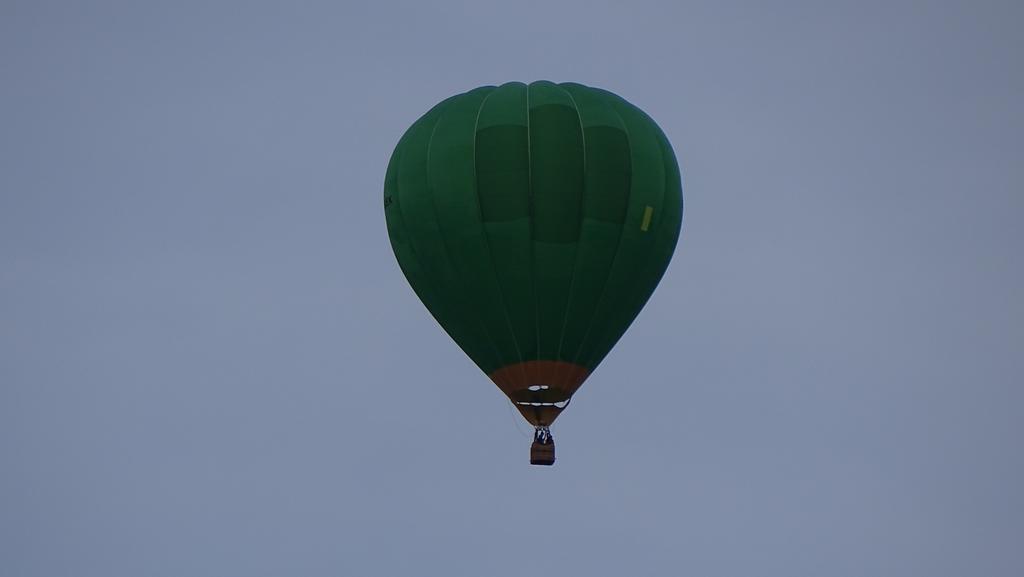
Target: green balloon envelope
x,y
534,222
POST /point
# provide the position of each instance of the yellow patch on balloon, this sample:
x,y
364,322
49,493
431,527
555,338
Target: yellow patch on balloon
x,y
646,224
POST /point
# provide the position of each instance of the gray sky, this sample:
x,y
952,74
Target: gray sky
x,y
211,365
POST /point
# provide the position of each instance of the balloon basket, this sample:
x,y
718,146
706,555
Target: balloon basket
x,y
542,451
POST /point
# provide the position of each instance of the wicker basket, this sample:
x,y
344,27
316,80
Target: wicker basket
x,y
542,453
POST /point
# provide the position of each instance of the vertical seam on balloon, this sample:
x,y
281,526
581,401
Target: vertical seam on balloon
x,y
579,234
486,239
444,241
530,213
618,245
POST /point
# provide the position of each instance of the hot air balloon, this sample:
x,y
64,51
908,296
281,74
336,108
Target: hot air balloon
x,y
534,222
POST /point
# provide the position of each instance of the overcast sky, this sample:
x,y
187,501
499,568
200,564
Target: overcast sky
x,y
211,364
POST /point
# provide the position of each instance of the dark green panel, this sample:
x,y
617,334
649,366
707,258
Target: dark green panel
x,y
503,172
503,187
607,186
608,174
556,182
556,164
